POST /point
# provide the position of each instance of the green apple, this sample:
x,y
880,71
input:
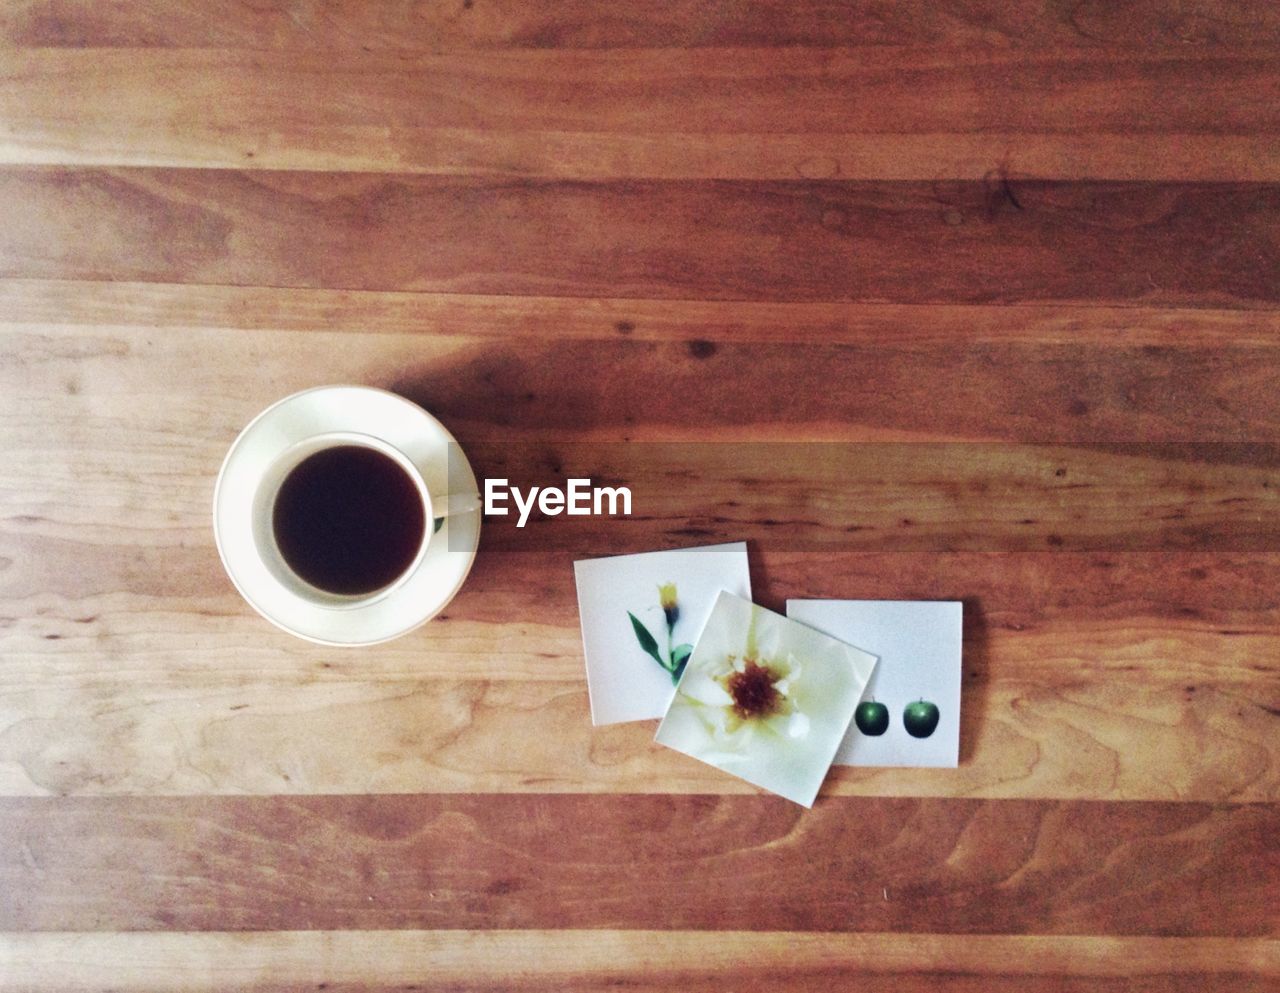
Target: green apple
x,y
920,718
872,718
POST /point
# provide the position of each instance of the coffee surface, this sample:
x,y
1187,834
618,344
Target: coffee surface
x,y
348,520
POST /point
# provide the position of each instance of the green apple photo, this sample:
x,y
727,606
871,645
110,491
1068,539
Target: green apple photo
x,y
872,718
920,718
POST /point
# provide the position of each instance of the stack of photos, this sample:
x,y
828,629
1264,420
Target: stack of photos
x,y
770,699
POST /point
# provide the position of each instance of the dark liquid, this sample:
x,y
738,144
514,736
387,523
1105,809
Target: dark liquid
x,y
348,520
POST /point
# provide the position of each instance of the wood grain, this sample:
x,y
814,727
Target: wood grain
x,y
788,113
706,91
1134,676
908,496
349,24
587,156
968,299
1110,587
1045,615
893,495
1202,244
1220,468
599,959
1138,736
180,310
996,382
458,862
829,496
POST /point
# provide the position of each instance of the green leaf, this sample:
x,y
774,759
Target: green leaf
x,y
439,523
646,640
679,657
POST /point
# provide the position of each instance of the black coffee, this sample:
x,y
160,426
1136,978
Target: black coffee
x,y
348,520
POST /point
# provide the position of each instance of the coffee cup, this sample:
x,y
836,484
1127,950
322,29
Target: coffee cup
x,y
346,515
342,518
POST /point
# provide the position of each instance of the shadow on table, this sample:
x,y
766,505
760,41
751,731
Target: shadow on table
x,y
975,682
761,590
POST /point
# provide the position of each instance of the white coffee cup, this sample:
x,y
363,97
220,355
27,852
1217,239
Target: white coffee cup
x,y
264,532
293,430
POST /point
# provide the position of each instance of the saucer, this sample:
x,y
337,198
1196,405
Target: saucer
x,y
363,409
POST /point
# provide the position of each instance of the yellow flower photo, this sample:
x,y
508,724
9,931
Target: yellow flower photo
x,y
641,615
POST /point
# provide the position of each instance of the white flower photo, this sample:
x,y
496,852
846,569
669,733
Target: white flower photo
x,y
766,699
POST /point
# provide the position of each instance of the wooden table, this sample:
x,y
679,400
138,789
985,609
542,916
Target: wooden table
x,y
1014,265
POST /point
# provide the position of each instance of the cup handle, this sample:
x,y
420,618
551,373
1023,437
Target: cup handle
x,y
448,504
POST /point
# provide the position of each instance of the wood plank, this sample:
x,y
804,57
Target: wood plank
x,y
846,496
74,425
1099,677
1141,736
1198,244
668,863
581,155
499,394
350,24
53,306
907,496
1047,616
639,960
763,91
755,113
1205,508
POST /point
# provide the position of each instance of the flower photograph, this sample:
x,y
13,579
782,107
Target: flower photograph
x,y
766,699
641,616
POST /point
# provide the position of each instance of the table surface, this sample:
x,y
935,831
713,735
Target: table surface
x,y
1009,271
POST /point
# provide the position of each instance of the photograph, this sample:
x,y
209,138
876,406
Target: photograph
x,y
766,699
641,615
909,714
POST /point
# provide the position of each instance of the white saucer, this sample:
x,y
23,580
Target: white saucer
x,y
397,421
